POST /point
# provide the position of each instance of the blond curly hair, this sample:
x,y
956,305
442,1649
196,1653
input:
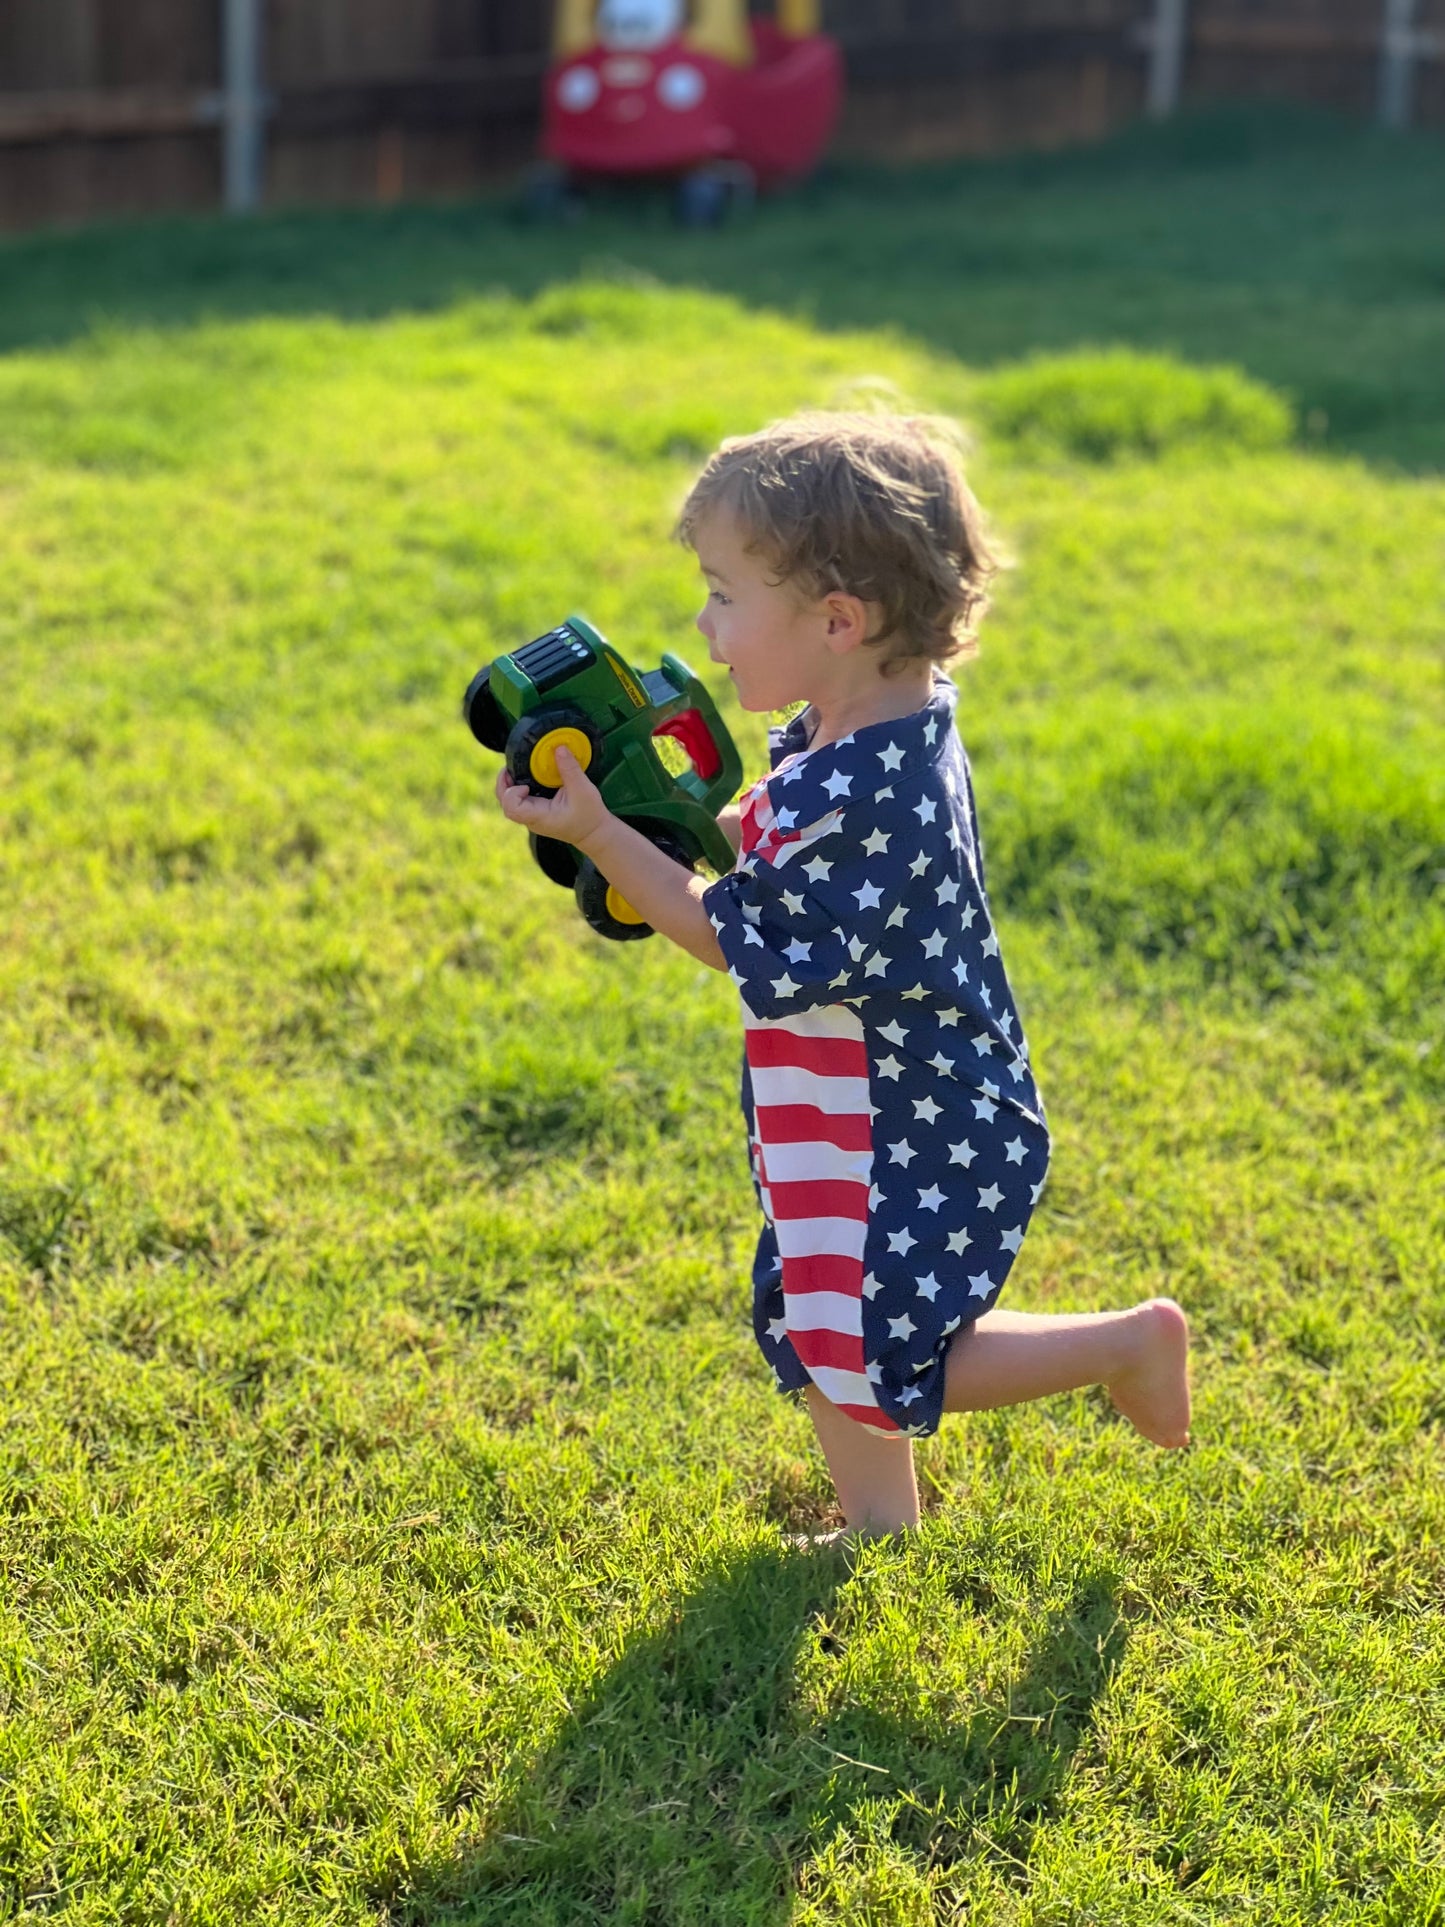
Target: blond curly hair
x,y
875,505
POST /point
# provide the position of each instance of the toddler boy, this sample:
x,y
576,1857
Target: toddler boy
x,y
897,1135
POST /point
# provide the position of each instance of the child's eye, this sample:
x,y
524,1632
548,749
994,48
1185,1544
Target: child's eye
x,y
716,595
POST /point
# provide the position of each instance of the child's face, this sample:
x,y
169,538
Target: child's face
x,y
626,26
773,639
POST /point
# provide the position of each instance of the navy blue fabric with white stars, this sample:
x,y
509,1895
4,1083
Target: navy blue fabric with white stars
x,y
863,892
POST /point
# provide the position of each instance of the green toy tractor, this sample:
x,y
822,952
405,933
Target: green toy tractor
x,y
570,686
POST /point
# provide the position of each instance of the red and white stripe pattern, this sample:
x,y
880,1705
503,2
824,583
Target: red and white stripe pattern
x,y
813,1153
771,834
814,1150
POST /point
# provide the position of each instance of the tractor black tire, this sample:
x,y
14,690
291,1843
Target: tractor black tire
x,y
532,730
483,714
559,862
593,889
666,838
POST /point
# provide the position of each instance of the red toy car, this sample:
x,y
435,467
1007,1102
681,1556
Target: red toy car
x,y
718,102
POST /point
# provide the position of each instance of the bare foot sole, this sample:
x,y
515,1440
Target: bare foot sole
x,y
816,1541
841,1537
1153,1393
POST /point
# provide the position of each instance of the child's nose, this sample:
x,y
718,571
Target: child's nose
x,y
704,621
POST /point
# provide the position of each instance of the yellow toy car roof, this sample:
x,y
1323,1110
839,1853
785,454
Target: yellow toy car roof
x,y
717,27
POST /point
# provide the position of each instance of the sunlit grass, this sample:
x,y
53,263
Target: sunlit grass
x,y
390,1490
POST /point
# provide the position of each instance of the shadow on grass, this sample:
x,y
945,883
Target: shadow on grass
x,y
695,1785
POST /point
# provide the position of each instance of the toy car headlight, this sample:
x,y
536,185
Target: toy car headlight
x,y
577,89
680,87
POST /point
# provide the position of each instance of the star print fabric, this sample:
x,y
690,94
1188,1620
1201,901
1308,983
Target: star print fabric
x,y
897,1137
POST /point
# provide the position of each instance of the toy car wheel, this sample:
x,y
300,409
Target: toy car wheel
x,y
709,195
558,861
483,714
533,744
666,839
605,908
549,194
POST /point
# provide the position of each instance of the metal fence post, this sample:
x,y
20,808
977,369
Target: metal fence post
x,y
242,105
1398,47
1166,36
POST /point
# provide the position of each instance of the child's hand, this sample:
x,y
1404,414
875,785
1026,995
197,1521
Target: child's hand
x,y
575,813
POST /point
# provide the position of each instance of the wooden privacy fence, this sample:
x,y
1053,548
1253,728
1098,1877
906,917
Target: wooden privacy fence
x,y
120,106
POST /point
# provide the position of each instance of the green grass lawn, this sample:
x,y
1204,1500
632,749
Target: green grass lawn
x,y
390,1493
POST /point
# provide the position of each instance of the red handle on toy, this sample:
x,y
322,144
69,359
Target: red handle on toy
x,y
691,730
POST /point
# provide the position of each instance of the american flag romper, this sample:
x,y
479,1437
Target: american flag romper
x,y
897,1137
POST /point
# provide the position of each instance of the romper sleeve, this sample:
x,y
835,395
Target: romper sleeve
x,y
813,928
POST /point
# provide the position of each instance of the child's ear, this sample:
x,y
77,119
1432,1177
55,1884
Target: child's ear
x,y
847,621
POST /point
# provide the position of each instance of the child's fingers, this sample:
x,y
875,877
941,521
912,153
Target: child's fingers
x,y
517,801
570,770
554,815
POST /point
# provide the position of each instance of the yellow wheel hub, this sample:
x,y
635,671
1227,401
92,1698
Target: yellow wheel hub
x,y
543,760
620,910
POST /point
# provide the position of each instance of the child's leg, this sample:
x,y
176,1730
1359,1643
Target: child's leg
x,y
873,1475
1008,1358
1140,1355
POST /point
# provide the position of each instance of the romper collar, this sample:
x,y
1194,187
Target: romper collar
x,y
857,767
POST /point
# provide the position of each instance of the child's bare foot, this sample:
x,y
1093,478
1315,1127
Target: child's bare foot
x,y
844,1538
817,1541
1153,1392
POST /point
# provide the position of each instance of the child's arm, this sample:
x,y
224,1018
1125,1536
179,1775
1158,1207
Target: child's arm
x,y
665,894
730,822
